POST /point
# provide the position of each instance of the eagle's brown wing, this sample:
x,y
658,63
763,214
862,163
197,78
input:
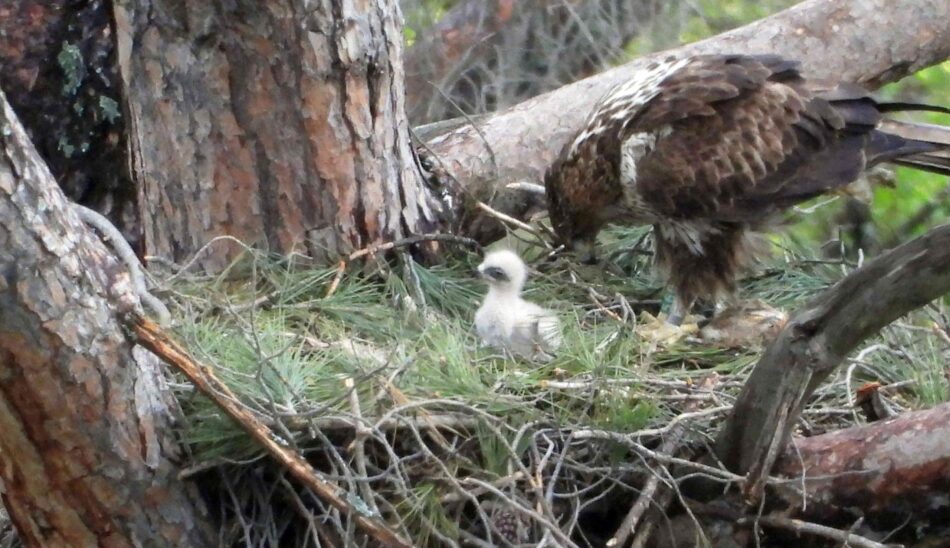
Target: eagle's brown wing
x,y
769,144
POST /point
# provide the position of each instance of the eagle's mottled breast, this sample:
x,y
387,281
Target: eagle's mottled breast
x,y
633,148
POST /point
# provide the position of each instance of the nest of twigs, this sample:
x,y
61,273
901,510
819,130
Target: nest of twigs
x,y
375,375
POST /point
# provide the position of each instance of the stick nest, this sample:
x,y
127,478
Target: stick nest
x,y
373,373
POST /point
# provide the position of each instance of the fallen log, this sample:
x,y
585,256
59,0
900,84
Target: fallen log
x,y
883,482
888,470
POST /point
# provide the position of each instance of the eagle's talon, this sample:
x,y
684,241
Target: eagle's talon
x,y
679,310
661,331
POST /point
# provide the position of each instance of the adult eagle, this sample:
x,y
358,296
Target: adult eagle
x,y
707,148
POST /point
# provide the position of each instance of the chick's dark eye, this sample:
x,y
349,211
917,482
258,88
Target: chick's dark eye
x,y
496,273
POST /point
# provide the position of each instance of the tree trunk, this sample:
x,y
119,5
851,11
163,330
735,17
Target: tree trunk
x,y
279,123
84,437
58,69
887,469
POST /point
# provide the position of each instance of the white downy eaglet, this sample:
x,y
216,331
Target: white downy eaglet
x,y
507,321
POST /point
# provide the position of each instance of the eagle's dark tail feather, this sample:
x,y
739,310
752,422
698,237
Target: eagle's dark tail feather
x,y
920,146
934,163
896,106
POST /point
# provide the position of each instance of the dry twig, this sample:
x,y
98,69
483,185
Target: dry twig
x,y
509,220
388,246
152,337
804,527
668,447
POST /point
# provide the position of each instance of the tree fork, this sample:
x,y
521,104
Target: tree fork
x,y
815,341
58,70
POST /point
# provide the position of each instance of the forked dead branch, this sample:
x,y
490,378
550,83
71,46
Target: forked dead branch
x,y
817,339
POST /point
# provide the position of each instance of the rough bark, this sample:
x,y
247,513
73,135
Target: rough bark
x,y
279,123
868,41
58,69
815,341
484,56
888,469
84,428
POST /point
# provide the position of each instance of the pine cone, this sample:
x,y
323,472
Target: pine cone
x,y
510,526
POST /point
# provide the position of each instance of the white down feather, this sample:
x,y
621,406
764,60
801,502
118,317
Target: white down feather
x,y
505,320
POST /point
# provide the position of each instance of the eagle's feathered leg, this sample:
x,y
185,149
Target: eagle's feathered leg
x,y
700,262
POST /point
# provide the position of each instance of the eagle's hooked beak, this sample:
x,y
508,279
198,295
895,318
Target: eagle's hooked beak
x,y
585,250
